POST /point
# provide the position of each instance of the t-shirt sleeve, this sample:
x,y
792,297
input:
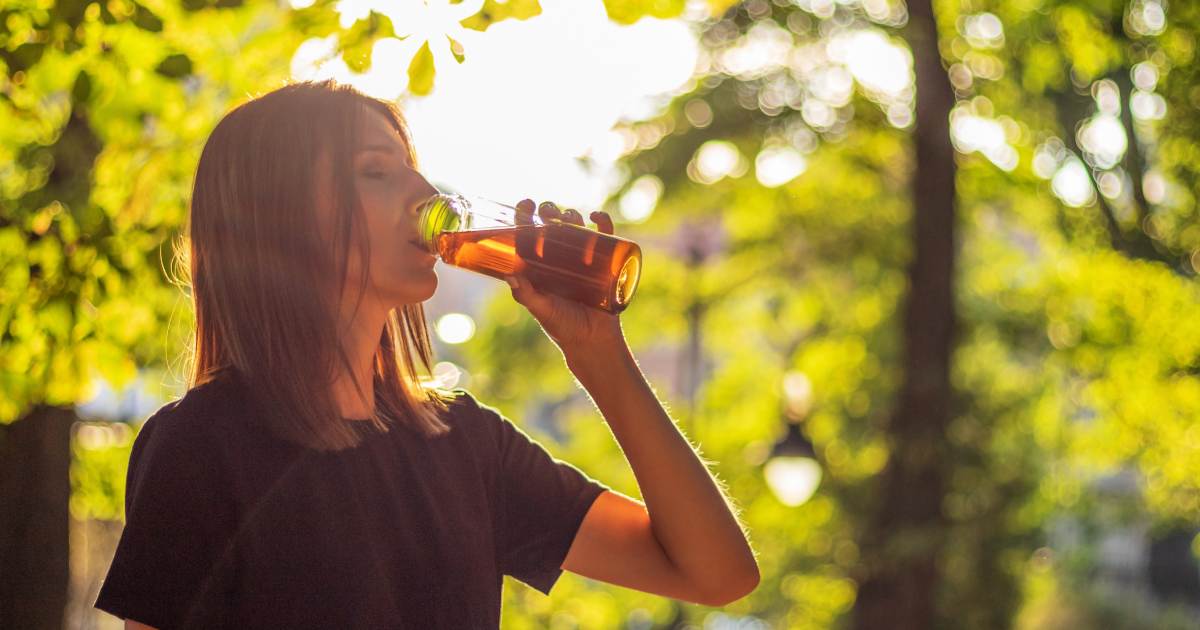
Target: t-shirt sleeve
x,y
177,522
540,504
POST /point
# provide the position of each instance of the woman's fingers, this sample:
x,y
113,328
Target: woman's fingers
x,y
525,212
571,215
549,211
603,222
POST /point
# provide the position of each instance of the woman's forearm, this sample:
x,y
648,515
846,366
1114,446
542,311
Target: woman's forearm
x,y
689,513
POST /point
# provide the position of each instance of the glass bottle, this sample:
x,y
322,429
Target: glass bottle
x,y
498,240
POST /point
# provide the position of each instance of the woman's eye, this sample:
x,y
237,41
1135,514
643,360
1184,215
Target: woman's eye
x,y
375,174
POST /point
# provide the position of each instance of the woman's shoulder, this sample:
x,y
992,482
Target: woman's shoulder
x,y
464,409
463,402
194,418
483,419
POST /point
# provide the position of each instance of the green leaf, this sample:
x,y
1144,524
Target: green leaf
x,y
174,66
318,20
107,17
71,11
718,8
358,42
456,49
24,56
145,19
630,11
82,88
493,12
420,71
358,57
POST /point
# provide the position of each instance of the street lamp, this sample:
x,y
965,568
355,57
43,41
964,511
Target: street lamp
x,y
792,470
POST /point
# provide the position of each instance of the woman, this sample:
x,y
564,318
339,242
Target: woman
x,y
307,479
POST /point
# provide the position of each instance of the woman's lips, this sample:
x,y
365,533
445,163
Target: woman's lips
x,y
418,245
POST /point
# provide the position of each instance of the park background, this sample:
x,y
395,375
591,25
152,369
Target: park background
x,y
920,278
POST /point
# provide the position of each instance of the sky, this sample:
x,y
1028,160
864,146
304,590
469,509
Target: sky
x,y
530,98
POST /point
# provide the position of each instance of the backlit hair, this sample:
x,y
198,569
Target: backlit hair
x,y
265,279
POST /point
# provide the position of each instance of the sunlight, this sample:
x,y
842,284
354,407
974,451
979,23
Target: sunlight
x,y
1072,185
531,98
637,204
880,66
983,30
1144,75
1103,138
1147,105
714,160
1147,17
776,166
762,50
974,133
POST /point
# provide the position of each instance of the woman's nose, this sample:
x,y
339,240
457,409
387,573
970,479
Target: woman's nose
x,y
425,190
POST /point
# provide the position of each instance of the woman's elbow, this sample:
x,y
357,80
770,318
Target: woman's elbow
x,y
734,589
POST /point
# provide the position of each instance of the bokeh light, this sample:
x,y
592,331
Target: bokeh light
x,y
447,375
1072,185
637,203
776,166
455,328
714,160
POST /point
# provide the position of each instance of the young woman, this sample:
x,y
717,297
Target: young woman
x,y
307,479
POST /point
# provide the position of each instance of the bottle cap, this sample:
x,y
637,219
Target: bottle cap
x,y
440,213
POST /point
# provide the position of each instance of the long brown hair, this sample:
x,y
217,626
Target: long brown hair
x,y
262,271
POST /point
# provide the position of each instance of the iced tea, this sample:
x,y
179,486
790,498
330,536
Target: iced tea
x,y
596,269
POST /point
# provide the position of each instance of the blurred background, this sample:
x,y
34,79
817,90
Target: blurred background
x,y
920,278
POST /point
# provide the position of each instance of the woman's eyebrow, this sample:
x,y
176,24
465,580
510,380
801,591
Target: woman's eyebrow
x,y
383,148
387,149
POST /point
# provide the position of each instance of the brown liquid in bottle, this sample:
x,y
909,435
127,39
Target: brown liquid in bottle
x,y
596,269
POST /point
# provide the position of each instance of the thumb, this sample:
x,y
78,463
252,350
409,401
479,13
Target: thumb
x,y
522,290
537,303
515,285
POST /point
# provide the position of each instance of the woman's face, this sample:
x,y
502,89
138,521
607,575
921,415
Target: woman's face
x,y
390,191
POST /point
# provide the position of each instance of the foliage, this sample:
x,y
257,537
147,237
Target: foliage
x,y
1076,359
101,129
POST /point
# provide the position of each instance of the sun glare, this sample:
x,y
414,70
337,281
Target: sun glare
x,y
530,98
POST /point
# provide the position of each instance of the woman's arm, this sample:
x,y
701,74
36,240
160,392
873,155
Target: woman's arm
x,y
685,541
686,516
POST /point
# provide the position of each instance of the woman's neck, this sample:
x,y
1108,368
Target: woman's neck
x,y
361,342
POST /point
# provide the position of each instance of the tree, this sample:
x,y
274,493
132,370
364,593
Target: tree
x,y
905,535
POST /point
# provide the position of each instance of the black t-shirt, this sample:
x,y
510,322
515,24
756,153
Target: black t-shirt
x,y
228,526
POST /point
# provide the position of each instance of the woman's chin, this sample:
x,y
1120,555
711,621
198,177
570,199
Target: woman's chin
x,y
416,291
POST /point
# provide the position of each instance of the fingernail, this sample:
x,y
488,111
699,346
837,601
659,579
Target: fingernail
x,y
513,282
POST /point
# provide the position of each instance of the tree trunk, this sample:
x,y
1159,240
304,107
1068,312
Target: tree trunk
x,y
903,537
35,486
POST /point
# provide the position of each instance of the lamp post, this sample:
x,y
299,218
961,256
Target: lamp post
x,y
697,242
792,470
